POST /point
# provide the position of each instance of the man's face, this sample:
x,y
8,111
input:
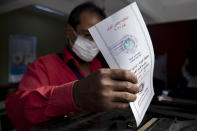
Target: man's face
x,y
87,19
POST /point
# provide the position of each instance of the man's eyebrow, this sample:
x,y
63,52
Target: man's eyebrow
x,y
85,31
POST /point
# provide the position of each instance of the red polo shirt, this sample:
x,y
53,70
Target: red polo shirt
x,y
45,91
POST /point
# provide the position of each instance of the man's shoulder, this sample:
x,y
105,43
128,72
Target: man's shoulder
x,y
47,59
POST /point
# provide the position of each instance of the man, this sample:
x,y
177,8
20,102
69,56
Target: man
x,y
189,70
63,84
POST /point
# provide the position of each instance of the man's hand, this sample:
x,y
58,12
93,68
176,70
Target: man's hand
x,y
106,89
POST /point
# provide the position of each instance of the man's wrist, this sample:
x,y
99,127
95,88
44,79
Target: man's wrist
x,y
75,90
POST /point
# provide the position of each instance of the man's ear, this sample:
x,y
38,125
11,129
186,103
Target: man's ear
x,y
70,35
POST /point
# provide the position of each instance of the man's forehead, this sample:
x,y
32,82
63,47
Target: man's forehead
x,y
88,19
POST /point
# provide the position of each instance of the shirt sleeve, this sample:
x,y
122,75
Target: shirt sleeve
x,y
36,101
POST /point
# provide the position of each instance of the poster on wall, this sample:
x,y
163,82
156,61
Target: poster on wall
x,y
22,52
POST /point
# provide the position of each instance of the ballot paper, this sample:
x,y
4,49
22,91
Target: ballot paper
x,y
124,41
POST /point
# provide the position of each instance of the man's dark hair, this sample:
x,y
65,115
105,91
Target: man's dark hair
x,y
74,17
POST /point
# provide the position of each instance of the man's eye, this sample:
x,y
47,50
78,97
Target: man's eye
x,y
88,36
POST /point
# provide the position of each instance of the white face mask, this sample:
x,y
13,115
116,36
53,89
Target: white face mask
x,y
85,49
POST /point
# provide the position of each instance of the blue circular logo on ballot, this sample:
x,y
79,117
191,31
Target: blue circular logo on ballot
x,y
129,44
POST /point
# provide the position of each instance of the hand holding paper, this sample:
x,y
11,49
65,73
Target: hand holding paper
x,y
105,90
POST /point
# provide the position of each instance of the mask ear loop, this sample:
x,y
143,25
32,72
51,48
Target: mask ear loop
x,y
74,32
76,35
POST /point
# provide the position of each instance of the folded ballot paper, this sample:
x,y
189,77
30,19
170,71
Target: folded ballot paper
x,y
124,41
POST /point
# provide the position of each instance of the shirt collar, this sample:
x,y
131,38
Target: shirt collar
x,y
94,64
67,55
